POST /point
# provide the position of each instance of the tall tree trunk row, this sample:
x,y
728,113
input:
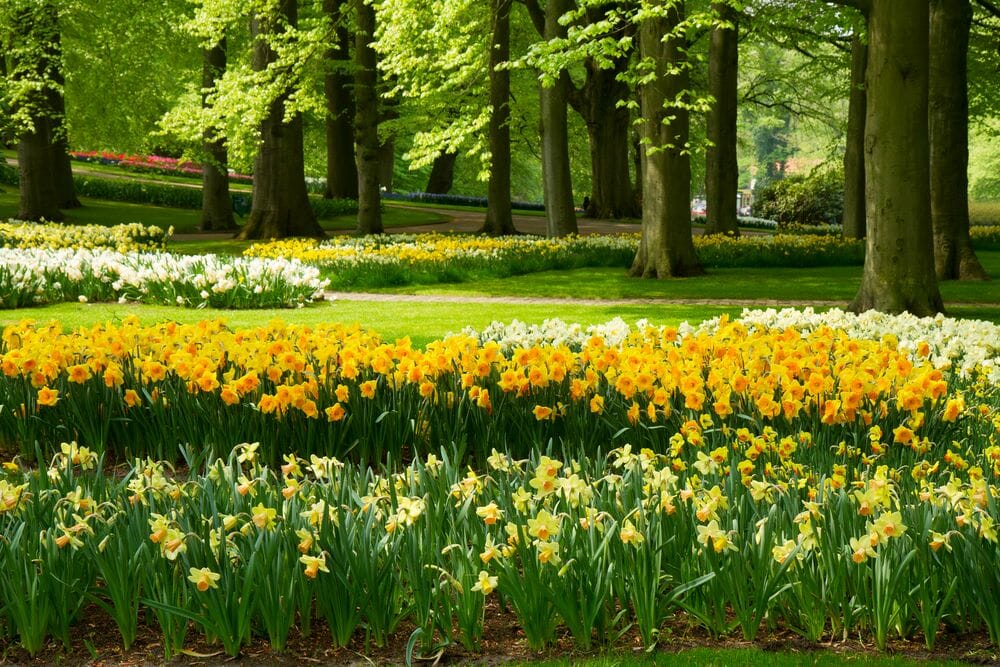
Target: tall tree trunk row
x,y
216,204
666,248
341,168
499,220
853,222
557,182
954,257
899,262
721,169
367,147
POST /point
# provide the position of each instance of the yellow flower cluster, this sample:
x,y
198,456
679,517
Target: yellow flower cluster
x,y
121,238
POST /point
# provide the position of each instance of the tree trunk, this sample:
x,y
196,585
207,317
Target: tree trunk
x,y
280,200
498,207
557,182
63,176
853,222
954,258
722,172
366,124
37,168
341,169
216,204
666,248
37,63
442,174
611,194
899,258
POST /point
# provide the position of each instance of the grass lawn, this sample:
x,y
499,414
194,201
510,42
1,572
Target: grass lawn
x,y
838,283
422,322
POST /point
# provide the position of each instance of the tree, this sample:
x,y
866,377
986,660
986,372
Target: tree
x,y
954,257
721,169
366,123
442,174
341,168
35,72
666,248
216,204
499,220
854,222
280,200
899,259
557,184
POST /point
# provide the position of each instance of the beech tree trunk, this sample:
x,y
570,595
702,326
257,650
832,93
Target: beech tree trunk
x,y
498,207
899,259
280,200
366,124
341,168
853,222
560,212
721,170
666,248
216,204
63,176
608,125
442,175
38,61
954,257
36,164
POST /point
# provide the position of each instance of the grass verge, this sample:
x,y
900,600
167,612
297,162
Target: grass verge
x,y
421,322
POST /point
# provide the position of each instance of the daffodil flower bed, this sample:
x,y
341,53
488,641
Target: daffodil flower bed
x,y
336,390
402,259
38,276
121,238
750,530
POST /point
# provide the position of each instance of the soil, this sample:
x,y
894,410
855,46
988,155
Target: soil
x,y
96,642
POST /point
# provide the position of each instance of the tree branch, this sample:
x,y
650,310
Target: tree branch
x,y
989,7
537,15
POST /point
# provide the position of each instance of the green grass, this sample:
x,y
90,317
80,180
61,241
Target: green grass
x,y
185,221
473,209
423,322
838,283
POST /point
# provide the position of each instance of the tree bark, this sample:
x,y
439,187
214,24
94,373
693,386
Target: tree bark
x,y
954,257
499,220
666,248
854,223
341,168
442,175
557,182
280,200
37,62
366,123
65,188
611,194
721,170
899,258
216,204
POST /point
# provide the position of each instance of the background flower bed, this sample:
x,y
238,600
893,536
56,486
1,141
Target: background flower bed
x,y
397,259
120,238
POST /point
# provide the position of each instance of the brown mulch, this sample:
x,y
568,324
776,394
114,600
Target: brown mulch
x,y
95,641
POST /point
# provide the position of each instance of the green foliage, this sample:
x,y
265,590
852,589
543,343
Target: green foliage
x,y
816,199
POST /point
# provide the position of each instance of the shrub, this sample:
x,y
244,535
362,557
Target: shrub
x,y
173,196
817,199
